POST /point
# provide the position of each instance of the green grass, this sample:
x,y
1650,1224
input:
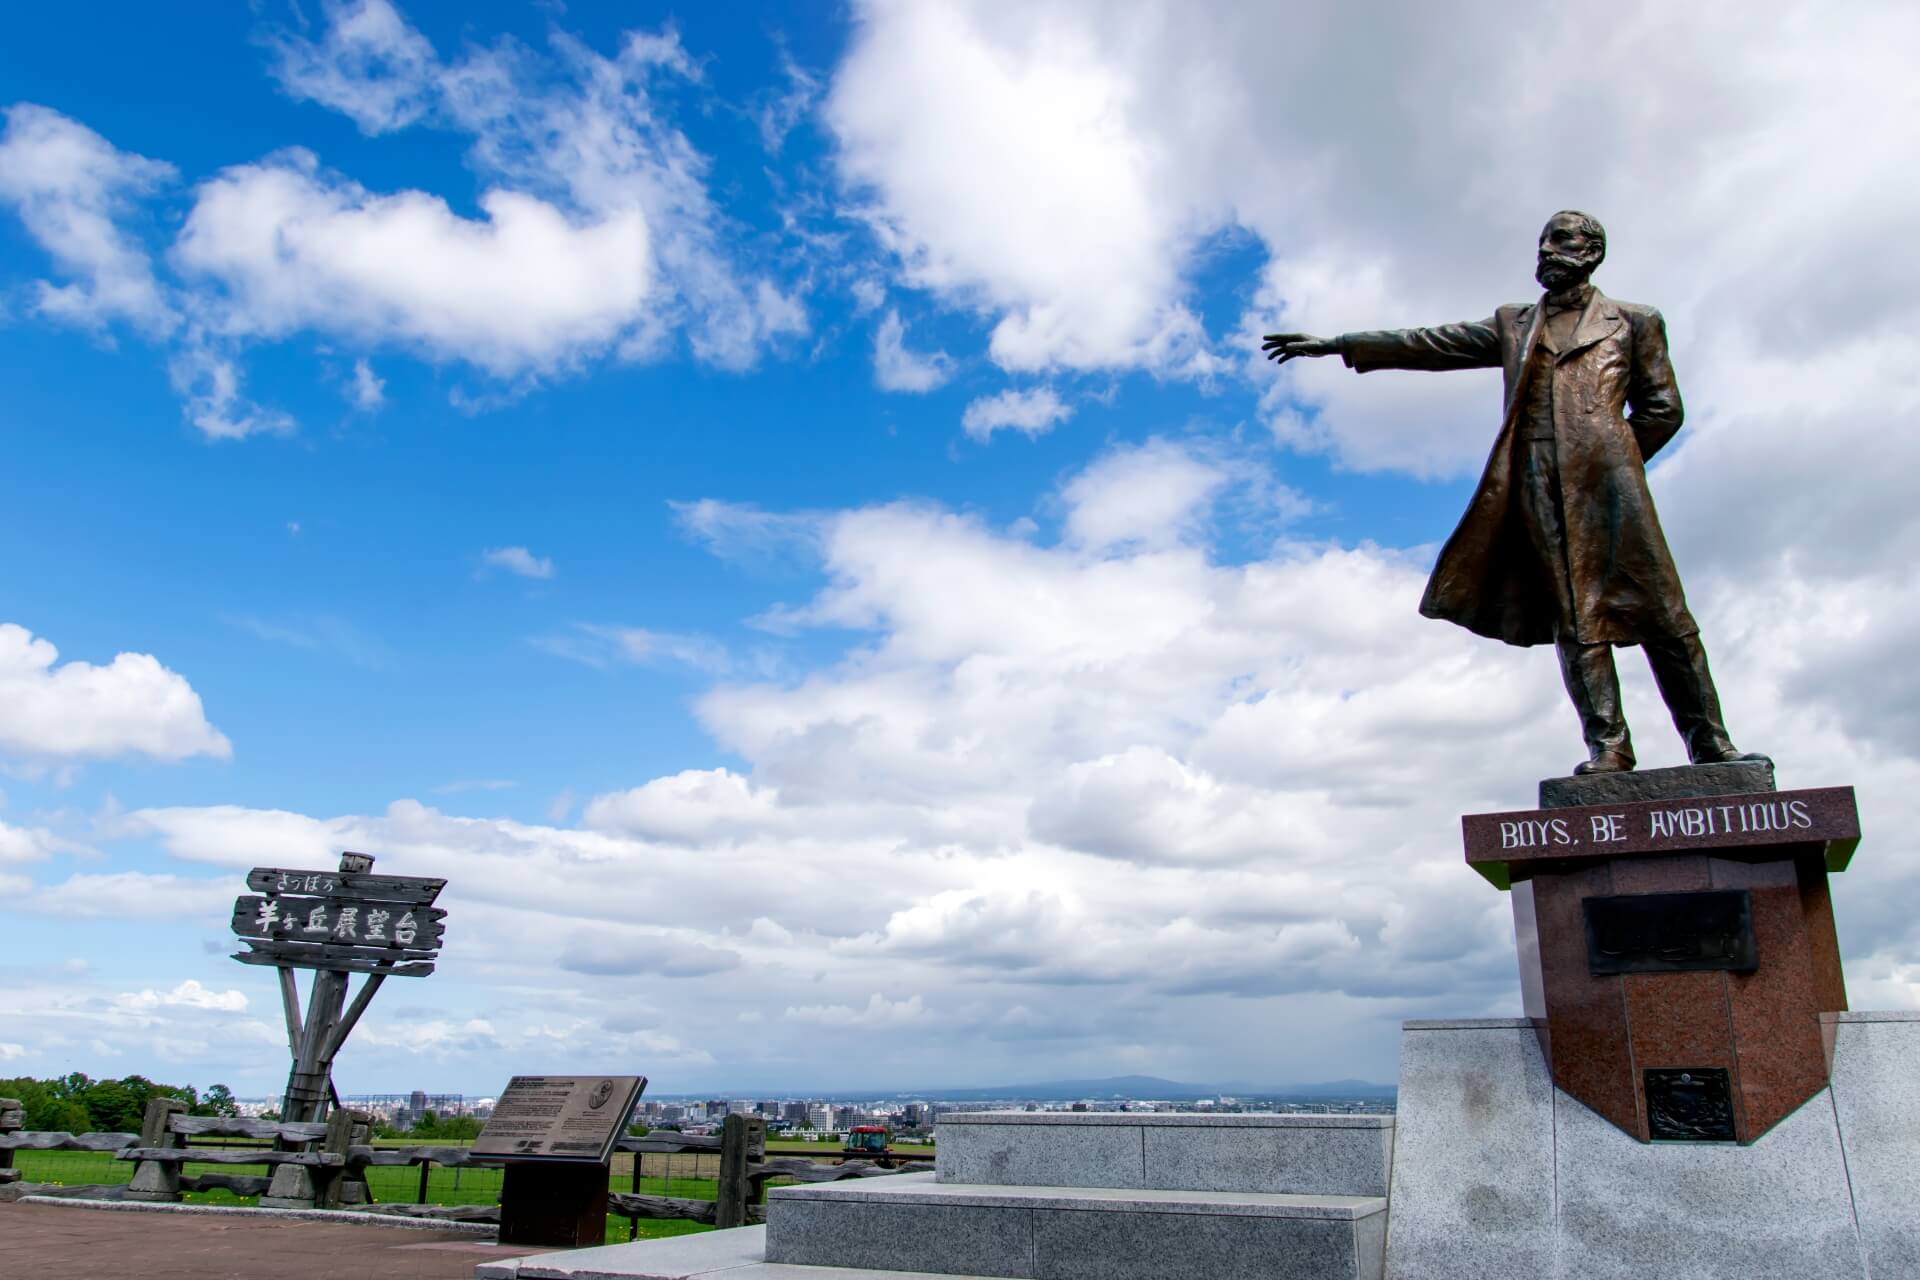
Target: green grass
x,y
401,1184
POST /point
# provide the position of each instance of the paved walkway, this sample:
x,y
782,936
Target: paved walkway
x,y
59,1242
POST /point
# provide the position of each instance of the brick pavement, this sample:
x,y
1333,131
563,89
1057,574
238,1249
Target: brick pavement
x,y
62,1242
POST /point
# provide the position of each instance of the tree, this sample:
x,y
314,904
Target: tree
x,y
47,1111
115,1106
218,1102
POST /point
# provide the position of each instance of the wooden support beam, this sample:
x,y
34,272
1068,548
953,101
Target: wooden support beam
x,y
368,987
290,1004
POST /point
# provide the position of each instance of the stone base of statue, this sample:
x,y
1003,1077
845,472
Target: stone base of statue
x,y
1500,1175
1686,1097
1676,941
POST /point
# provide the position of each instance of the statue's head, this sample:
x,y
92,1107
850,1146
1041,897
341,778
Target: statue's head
x,y
1572,245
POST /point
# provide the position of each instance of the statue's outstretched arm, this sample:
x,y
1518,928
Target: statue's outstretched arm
x,y
1473,345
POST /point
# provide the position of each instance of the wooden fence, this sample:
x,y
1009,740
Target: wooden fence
x,y
745,1168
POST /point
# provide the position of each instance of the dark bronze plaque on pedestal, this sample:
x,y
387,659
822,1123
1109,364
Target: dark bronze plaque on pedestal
x,y
1692,1105
1670,932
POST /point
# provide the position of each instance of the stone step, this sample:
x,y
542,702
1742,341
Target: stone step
x,y
1345,1155
915,1223
715,1255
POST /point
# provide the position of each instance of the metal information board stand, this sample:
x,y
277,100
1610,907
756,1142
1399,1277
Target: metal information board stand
x,y
556,1134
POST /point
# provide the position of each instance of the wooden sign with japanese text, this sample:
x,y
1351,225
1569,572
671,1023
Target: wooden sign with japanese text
x,y
346,921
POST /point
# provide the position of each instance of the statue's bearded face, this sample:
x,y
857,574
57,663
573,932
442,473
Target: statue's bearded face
x,y
1569,252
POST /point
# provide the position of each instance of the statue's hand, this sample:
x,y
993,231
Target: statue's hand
x,y
1282,347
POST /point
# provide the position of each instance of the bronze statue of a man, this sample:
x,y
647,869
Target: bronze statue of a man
x,y
1561,543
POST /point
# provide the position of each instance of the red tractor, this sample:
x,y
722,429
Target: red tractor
x,y
875,1142
868,1142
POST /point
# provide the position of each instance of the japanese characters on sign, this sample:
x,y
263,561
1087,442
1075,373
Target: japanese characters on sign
x,y
347,921
352,921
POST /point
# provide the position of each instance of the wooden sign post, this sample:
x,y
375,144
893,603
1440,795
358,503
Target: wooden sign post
x,y
336,923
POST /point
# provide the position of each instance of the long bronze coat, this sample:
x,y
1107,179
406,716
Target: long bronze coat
x,y
1613,404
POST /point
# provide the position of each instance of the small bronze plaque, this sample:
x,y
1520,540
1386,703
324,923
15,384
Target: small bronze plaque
x,y
1690,1105
1670,932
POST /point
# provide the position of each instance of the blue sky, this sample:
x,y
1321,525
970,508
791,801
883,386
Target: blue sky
x,y
780,506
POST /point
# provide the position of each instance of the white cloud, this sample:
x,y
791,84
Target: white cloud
x,y
322,633
628,953
524,288
595,645
868,295
1153,494
744,533
474,784
686,808
138,895
210,384
1003,158
76,710
1034,412
62,1013
518,560
895,368
370,66
1061,167
1115,760
10,1051
782,109
32,844
588,174
878,1012
188,995
70,187
366,391
597,236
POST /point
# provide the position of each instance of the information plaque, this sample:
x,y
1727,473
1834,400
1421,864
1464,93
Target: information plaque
x,y
560,1117
1671,932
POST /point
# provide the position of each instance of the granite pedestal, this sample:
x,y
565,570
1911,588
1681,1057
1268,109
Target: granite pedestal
x,y
1676,941
1498,1175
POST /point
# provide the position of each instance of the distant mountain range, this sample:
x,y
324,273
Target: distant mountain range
x,y
1142,1087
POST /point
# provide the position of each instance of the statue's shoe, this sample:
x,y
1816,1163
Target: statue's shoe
x,y
1727,753
1605,762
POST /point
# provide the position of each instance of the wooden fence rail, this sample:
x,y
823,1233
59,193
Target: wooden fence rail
x,y
745,1167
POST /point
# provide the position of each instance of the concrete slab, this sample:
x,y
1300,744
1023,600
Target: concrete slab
x,y
1777,1210
1876,1095
1282,1153
713,1255
1063,1233
676,1258
1499,1175
1020,1153
919,1188
1473,1153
